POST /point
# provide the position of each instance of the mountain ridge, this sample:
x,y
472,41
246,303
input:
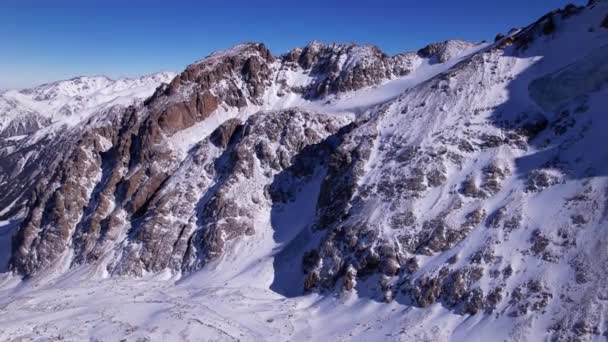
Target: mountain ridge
x,y
457,184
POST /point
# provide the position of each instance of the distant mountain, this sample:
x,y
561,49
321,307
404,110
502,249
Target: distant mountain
x,y
24,111
457,192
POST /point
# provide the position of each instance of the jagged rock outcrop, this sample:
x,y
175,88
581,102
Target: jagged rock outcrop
x,y
234,78
116,171
444,51
194,216
341,68
32,141
337,68
389,171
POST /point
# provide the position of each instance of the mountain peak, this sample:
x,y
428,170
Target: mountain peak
x,y
443,51
242,50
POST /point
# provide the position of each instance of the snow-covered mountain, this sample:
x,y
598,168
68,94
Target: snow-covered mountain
x,y
31,118
25,111
332,193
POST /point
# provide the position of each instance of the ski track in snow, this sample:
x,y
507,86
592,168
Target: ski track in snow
x,y
79,308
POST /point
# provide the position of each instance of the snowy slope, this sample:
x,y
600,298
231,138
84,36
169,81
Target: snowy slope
x,y
456,193
70,101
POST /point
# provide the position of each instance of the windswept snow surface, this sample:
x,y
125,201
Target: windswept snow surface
x,y
208,306
191,310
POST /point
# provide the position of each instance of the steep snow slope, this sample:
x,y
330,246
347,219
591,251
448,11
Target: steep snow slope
x,y
455,199
477,190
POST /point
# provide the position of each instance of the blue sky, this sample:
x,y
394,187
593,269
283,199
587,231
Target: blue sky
x,y
43,40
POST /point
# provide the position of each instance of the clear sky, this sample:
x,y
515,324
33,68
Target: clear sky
x,y
45,40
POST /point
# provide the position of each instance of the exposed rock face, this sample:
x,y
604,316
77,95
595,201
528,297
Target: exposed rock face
x,y
110,176
28,123
337,68
84,210
195,214
444,51
375,203
234,78
62,194
33,141
340,68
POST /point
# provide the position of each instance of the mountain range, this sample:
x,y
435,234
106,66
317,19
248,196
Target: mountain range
x,y
457,192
